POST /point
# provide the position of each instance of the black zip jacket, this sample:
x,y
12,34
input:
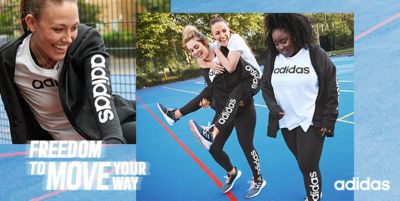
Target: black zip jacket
x,y
84,89
220,89
326,107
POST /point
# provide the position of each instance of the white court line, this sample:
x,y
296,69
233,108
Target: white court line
x,y
180,90
258,105
347,115
343,90
345,81
345,121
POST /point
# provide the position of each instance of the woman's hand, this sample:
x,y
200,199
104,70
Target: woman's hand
x,y
324,131
281,114
204,103
216,67
241,103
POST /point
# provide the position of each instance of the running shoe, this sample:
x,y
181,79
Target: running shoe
x,y
255,187
230,181
168,114
203,134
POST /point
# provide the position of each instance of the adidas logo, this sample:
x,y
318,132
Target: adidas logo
x,y
101,83
365,185
38,84
255,74
292,70
227,112
314,186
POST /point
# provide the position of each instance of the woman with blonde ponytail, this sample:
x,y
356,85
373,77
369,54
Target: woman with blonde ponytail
x,y
224,90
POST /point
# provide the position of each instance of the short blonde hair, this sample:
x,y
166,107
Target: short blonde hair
x,y
190,32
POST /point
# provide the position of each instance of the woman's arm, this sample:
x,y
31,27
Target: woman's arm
x,y
95,61
230,62
331,99
208,64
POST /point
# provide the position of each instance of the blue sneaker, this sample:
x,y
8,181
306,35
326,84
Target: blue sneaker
x,y
255,188
203,134
168,114
230,181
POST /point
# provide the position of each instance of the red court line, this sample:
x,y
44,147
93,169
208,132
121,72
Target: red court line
x,y
194,157
14,154
379,25
48,195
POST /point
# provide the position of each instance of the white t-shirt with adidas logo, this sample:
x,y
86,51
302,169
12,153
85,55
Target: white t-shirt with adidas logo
x,y
295,85
39,88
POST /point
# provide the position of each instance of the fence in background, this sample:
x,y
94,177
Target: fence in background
x,y
114,19
149,6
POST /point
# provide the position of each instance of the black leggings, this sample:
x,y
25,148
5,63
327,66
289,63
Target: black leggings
x,y
307,148
244,91
193,105
244,122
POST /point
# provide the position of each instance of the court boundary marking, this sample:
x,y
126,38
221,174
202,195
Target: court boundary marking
x,y
188,151
377,26
259,105
341,119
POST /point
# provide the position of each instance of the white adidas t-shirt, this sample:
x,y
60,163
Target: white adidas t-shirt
x,y
237,43
39,88
295,85
212,73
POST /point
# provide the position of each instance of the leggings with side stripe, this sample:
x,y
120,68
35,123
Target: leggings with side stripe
x,y
307,148
245,91
244,123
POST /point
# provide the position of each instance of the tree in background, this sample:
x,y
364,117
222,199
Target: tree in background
x,y
159,39
334,29
9,14
88,13
144,6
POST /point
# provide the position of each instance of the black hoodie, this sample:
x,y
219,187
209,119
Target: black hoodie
x,y
84,88
326,106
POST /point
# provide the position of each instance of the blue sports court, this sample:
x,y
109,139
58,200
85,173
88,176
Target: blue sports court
x,y
179,162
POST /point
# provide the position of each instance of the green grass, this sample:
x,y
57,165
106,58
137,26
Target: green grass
x,y
343,51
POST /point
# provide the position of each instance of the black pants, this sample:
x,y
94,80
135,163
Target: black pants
x,y
244,91
244,123
193,105
307,148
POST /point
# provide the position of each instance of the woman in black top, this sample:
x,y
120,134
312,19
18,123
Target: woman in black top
x,y
221,90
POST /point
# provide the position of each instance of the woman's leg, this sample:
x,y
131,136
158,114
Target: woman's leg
x,y
171,115
216,149
245,123
290,138
309,149
229,112
193,105
249,86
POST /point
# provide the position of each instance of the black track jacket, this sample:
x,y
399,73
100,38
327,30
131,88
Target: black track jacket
x,y
326,106
84,89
